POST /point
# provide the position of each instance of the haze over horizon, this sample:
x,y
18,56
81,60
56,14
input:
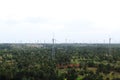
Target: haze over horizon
x,y
83,21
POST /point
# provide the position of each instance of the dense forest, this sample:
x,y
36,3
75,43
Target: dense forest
x,y
69,62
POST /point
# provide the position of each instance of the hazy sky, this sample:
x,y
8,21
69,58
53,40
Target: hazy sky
x,y
70,20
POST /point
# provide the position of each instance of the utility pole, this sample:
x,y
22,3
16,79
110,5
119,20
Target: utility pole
x,y
109,46
65,41
44,44
53,48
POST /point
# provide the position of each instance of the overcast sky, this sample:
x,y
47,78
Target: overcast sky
x,y
69,20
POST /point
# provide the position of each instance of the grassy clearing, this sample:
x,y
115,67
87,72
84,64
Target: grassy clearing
x,y
92,69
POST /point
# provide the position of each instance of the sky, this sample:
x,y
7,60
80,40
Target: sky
x,y
78,21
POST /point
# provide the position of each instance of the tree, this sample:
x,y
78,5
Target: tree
x,y
71,74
